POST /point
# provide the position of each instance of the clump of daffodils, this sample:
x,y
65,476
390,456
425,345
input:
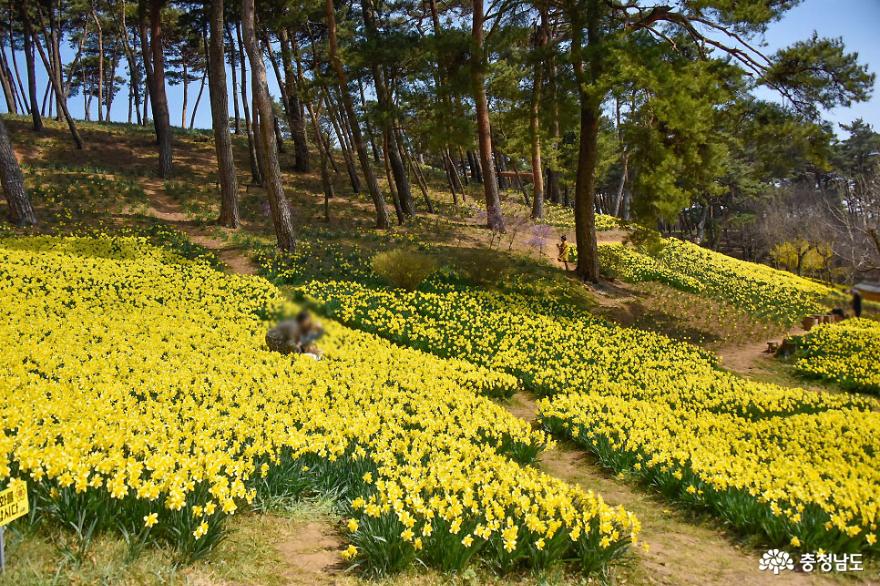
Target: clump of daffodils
x,y
142,379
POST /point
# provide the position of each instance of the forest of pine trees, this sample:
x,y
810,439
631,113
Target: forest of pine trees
x,y
639,110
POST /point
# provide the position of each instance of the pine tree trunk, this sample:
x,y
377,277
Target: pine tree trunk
x,y
87,101
326,183
324,153
500,167
347,155
346,127
417,173
474,163
256,172
21,213
384,98
398,209
232,67
46,95
520,184
449,178
111,92
463,165
145,115
55,80
590,115
279,137
295,118
54,40
535,123
100,34
6,78
398,171
229,215
24,96
161,116
276,125
145,59
494,220
185,84
134,77
370,135
256,124
553,188
192,119
321,139
453,172
281,215
372,184
27,33
621,187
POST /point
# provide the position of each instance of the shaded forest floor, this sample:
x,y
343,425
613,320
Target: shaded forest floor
x,y
299,544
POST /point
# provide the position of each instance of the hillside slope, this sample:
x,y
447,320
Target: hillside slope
x,y
111,188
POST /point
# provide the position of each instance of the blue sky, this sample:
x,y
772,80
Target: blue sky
x,y
857,21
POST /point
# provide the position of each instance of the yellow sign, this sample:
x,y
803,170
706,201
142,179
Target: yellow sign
x,y
13,503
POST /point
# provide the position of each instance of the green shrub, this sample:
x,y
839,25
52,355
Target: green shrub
x,y
404,269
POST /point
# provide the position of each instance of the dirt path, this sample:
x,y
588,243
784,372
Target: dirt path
x,y
748,358
164,208
311,554
752,361
682,550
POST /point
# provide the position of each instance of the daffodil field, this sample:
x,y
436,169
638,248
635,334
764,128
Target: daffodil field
x,y
847,353
562,216
758,289
800,480
795,467
626,263
138,397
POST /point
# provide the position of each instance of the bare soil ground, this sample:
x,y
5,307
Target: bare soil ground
x,y
311,555
752,358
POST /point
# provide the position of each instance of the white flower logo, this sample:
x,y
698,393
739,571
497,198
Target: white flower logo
x,y
776,561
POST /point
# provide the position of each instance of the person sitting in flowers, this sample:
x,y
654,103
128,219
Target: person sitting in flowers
x,y
296,336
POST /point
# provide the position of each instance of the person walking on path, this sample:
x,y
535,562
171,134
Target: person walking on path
x,y
564,251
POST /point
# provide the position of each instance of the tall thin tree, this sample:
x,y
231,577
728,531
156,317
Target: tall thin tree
x,y
357,137
154,53
295,117
55,83
494,220
541,39
27,33
220,119
281,214
384,98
